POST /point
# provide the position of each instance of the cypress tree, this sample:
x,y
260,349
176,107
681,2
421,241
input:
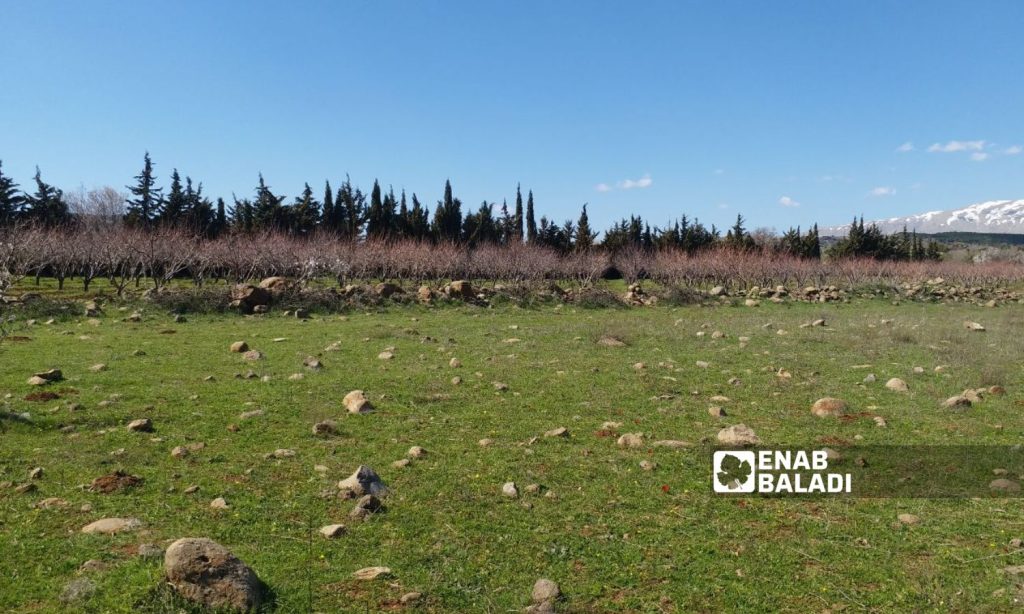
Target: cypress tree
x,y
531,225
144,208
517,220
327,215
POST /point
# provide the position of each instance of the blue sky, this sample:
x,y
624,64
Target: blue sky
x,y
787,112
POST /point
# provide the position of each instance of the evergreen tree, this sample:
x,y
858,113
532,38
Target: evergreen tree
x,y
144,208
531,225
584,236
350,210
46,206
220,222
419,220
10,199
305,212
175,205
242,215
376,220
267,211
328,218
517,221
447,225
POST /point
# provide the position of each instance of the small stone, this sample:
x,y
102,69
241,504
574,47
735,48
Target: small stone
x,y
332,531
630,440
647,465
96,368
386,355
401,463
283,453
500,387
674,444
357,403
869,378
141,425
191,490
149,551
974,326
50,503
252,355
716,411
366,505
410,598
545,590
312,363
456,380
109,526
325,427
36,473
738,435
908,519
252,413
956,401
897,385
557,432
1004,485
179,452
77,590
220,503
239,347
829,407
416,452
509,490
455,363
364,480
483,443
372,573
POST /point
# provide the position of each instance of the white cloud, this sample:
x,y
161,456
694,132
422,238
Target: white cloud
x,y
786,201
954,146
883,190
603,187
979,156
629,184
1013,150
908,146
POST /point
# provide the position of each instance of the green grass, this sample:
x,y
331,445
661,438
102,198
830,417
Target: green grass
x,y
616,538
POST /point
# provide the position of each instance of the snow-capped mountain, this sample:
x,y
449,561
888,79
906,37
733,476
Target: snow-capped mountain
x,y
1002,216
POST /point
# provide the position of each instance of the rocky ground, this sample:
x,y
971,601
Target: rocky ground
x,y
454,457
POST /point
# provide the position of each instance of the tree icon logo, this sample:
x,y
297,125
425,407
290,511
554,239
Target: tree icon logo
x,y
733,471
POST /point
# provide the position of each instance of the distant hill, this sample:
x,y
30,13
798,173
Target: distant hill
x,y
995,217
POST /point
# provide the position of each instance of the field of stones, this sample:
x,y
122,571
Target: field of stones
x,y
469,457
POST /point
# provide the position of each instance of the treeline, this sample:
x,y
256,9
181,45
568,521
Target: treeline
x,y
349,213
870,242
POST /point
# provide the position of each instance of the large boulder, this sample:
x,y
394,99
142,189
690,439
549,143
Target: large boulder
x,y
387,290
461,289
247,297
206,573
276,285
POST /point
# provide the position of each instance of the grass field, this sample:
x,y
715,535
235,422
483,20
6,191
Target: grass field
x,y
615,537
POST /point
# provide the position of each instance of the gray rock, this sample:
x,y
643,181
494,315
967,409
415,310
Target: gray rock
x,y
363,481
77,590
206,573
